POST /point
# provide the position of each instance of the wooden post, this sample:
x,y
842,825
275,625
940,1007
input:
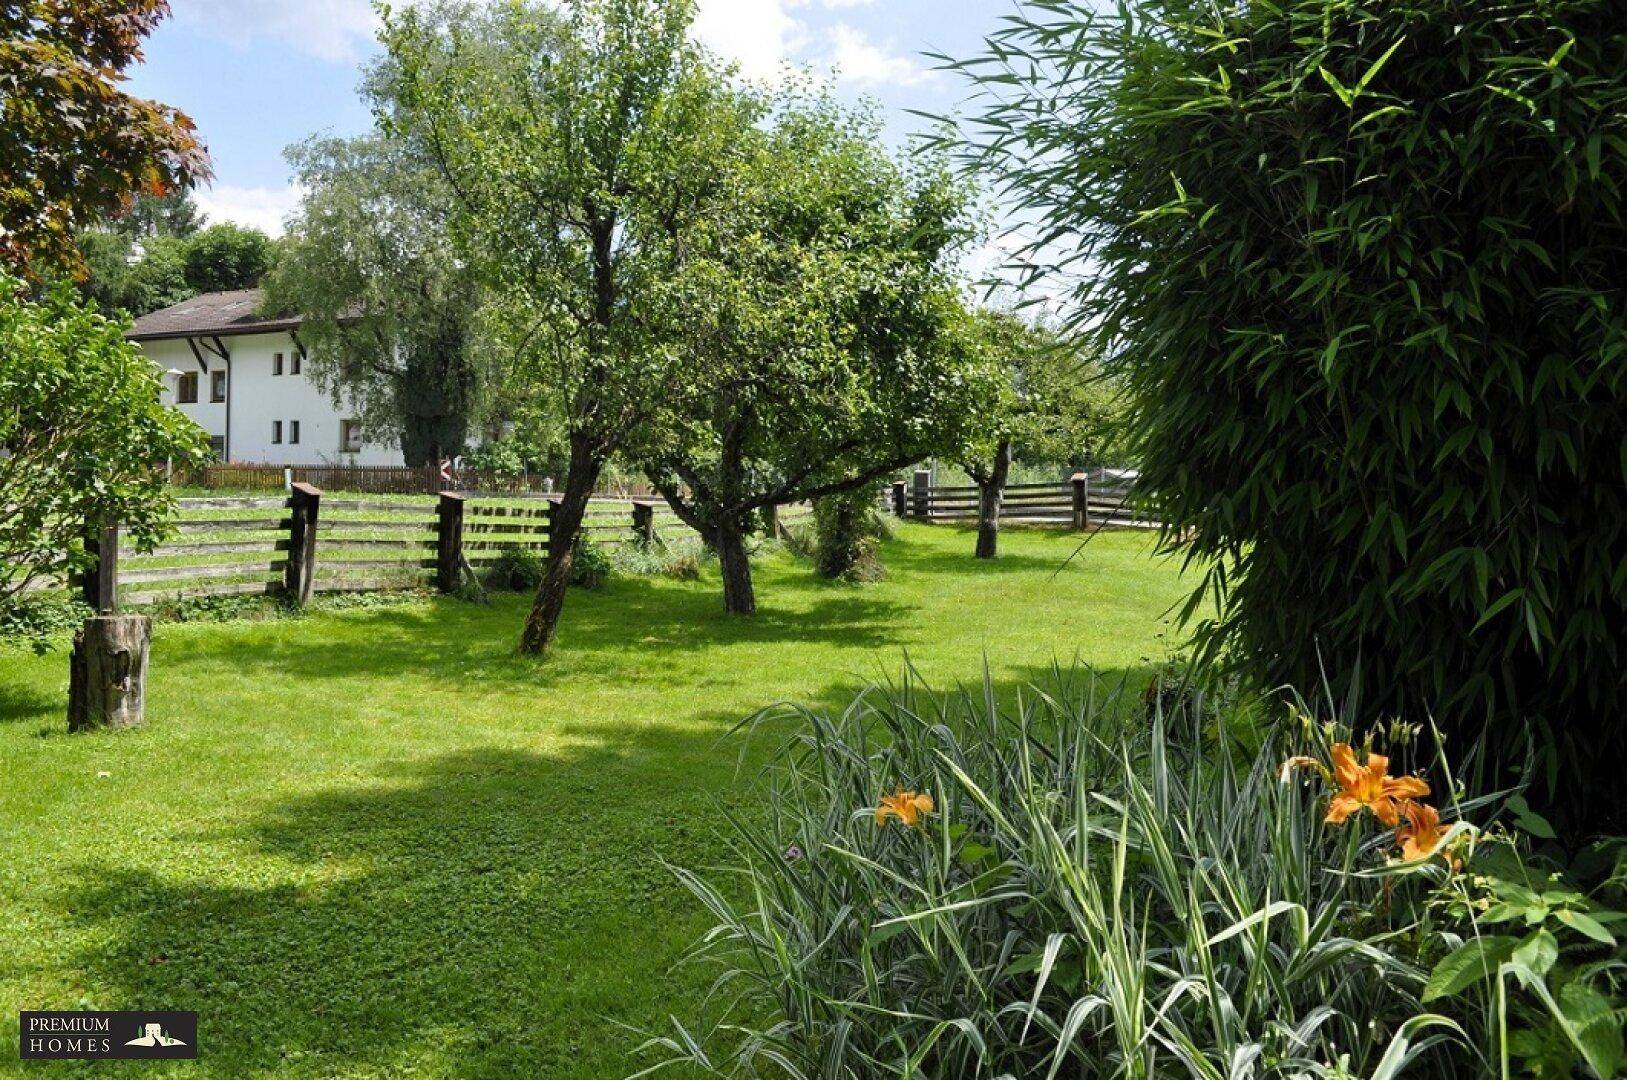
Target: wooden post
x,y
923,484
643,522
900,502
107,672
449,541
551,507
1081,501
100,584
300,571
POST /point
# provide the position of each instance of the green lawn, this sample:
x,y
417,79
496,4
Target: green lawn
x,y
375,841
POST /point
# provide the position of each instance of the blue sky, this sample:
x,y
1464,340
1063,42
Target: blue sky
x,y
257,75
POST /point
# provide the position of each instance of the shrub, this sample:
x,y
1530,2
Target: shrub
x,y
949,886
849,531
590,566
1362,268
516,570
41,621
680,561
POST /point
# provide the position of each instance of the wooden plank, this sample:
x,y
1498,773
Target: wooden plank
x,y
358,528
184,573
371,584
233,525
356,542
247,588
499,545
504,527
335,565
279,503
378,507
210,547
478,511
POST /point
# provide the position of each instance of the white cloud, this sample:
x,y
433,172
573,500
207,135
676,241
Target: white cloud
x,y
859,60
759,35
329,29
264,208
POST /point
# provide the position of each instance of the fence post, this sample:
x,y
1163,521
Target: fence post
x,y
300,571
643,522
100,584
900,501
923,484
1081,501
449,541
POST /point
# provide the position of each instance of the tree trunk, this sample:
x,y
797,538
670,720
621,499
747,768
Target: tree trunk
x,y
738,596
991,490
107,672
564,527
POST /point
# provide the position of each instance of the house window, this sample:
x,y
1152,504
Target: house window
x,y
350,436
293,431
276,431
276,363
217,447
217,386
186,389
298,358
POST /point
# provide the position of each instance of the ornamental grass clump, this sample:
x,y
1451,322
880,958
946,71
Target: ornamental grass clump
x,y
1034,882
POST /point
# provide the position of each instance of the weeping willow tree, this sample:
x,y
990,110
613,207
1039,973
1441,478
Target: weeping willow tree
x,y
391,315
1363,268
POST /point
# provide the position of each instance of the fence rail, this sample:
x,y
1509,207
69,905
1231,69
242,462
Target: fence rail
x,y
1084,501
306,543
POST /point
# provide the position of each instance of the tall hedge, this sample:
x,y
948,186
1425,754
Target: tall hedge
x,y
1363,264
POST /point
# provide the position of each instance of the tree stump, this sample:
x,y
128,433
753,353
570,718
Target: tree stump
x,y
107,673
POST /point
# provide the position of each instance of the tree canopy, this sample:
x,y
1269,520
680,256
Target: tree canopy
x,y
83,436
827,343
73,146
583,147
389,308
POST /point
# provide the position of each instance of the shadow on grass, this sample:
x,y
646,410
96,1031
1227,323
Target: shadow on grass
x,y
487,912
599,630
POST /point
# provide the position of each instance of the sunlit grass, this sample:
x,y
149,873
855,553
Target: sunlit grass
x,y
376,840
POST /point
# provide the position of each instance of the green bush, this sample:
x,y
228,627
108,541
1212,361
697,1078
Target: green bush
x,y
41,621
1362,268
1088,894
590,566
516,570
849,531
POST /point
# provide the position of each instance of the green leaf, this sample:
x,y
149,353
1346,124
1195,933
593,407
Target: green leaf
x,y
1476,959
1585,924
1537,952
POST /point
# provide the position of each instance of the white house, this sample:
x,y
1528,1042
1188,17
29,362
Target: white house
x,y
241,377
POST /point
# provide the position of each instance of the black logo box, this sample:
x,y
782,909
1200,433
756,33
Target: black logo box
x,y
106,1036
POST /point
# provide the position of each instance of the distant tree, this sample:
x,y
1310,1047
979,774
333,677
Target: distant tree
x,y
584,147
389,306
74,147
227,256
828,345
1050,406
83,436
175,215
124,279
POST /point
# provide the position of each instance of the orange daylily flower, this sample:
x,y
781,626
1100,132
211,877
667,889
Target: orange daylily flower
x,y
1369,787
1422,835
906,806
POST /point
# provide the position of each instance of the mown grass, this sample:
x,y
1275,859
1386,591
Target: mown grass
x,y
377,842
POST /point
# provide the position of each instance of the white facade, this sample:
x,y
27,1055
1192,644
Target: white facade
x,y
264,417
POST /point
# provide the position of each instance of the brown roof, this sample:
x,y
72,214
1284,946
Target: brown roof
x,y
216,313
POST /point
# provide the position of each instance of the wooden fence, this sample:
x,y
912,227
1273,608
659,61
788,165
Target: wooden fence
x,y
310,543
366,479
1086,501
